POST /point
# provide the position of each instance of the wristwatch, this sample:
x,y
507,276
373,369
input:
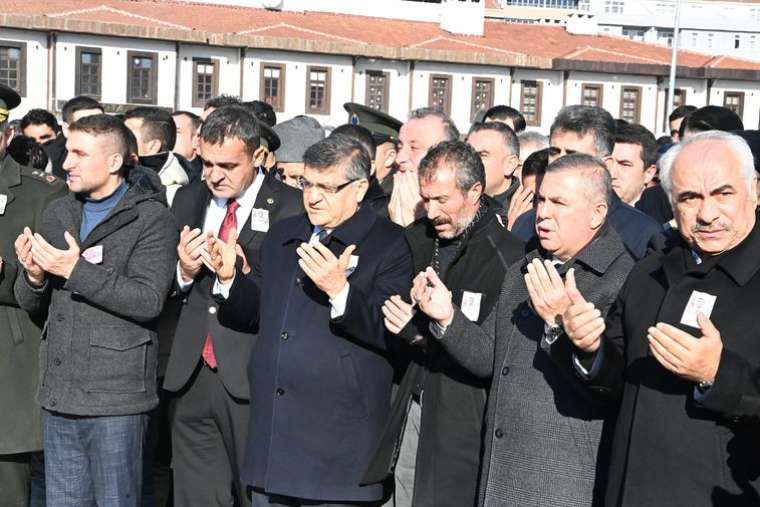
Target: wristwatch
x,y
552,333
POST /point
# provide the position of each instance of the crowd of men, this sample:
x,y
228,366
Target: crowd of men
x,y
224,310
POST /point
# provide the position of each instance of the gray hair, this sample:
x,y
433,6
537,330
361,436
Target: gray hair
x,y
584,120
531,137
737,144
599,181
339,149
450,129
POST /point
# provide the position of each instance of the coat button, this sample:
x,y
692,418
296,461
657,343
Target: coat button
x,y
53,402
525,312
299,281
280,391
59,317
57,361
284,336
505,371
498,433
211,310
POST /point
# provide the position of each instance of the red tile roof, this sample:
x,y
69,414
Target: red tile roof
x,y
506,43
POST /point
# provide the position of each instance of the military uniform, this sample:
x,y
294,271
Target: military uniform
x,y
24,194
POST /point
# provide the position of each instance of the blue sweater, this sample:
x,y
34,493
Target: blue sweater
x,y
93,212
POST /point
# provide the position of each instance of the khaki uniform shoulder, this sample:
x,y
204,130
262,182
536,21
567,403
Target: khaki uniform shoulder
x,y
47,179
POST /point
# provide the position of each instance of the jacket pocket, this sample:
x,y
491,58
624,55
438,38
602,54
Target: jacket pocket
x,y
118,359
353,401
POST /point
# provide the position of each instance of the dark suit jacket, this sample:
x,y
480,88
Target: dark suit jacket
x,y
670,448
320,387
197,315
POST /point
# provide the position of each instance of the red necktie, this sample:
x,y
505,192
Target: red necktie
x,y
229,223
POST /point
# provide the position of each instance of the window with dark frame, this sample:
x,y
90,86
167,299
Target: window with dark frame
x,y
377,90
205,80
679,97
482,95
735,102
318,90
530,102
630,104
592,95
89,71
273,85
142,78
13,65
440,93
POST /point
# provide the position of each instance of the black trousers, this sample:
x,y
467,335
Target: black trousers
x,y
261,499
209,429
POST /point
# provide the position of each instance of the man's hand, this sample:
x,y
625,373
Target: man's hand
x,y
547,291
221,256
397,314
521,202
191,244
34,272
432,297
326,271
52,260
582,321
694,359
405,204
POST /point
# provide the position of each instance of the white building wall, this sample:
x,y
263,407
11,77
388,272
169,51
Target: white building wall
x,y
552,92
36,69
229,72
461,87
398,86
751,117
295,81
114,71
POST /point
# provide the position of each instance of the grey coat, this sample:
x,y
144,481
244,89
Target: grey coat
x,y
98,350
543,434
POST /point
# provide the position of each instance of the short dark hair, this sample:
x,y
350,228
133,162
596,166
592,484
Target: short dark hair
x,y
506,113
535,164
156,124
232,122
450,128
221,101
262,111
463,157
79,103
105,125
27,152
40,117
681,112
584,120
194,118
631,133
507,134
336,150
360,134
711,118
599,181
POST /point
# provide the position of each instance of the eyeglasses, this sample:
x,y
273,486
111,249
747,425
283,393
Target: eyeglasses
x,y
326,190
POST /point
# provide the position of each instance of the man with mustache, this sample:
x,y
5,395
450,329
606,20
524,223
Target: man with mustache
x,y
681,348
462,239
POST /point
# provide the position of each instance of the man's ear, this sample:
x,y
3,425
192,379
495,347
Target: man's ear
x,y
115,163
259,156
390,158
609,162
513,163
598,214
362,186
153,146
65,129
474,193
649,173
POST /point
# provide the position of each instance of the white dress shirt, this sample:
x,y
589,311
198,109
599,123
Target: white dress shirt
x,y
217,210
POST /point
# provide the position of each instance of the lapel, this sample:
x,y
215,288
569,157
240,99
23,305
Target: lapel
x,y
10,176
199,206
268,198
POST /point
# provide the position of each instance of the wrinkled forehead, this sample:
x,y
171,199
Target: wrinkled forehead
x,y
706,165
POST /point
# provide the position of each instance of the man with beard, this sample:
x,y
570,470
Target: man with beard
x,y
462,239
542,438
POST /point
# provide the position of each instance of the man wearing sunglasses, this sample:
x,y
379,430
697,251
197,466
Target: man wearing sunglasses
x,y
319,374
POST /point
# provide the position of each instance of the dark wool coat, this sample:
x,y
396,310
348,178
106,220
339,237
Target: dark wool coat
x,y
542,438
670,447
99,348
449,450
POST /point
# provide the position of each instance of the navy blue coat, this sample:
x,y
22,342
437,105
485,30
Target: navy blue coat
x,y
320,388
635,228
